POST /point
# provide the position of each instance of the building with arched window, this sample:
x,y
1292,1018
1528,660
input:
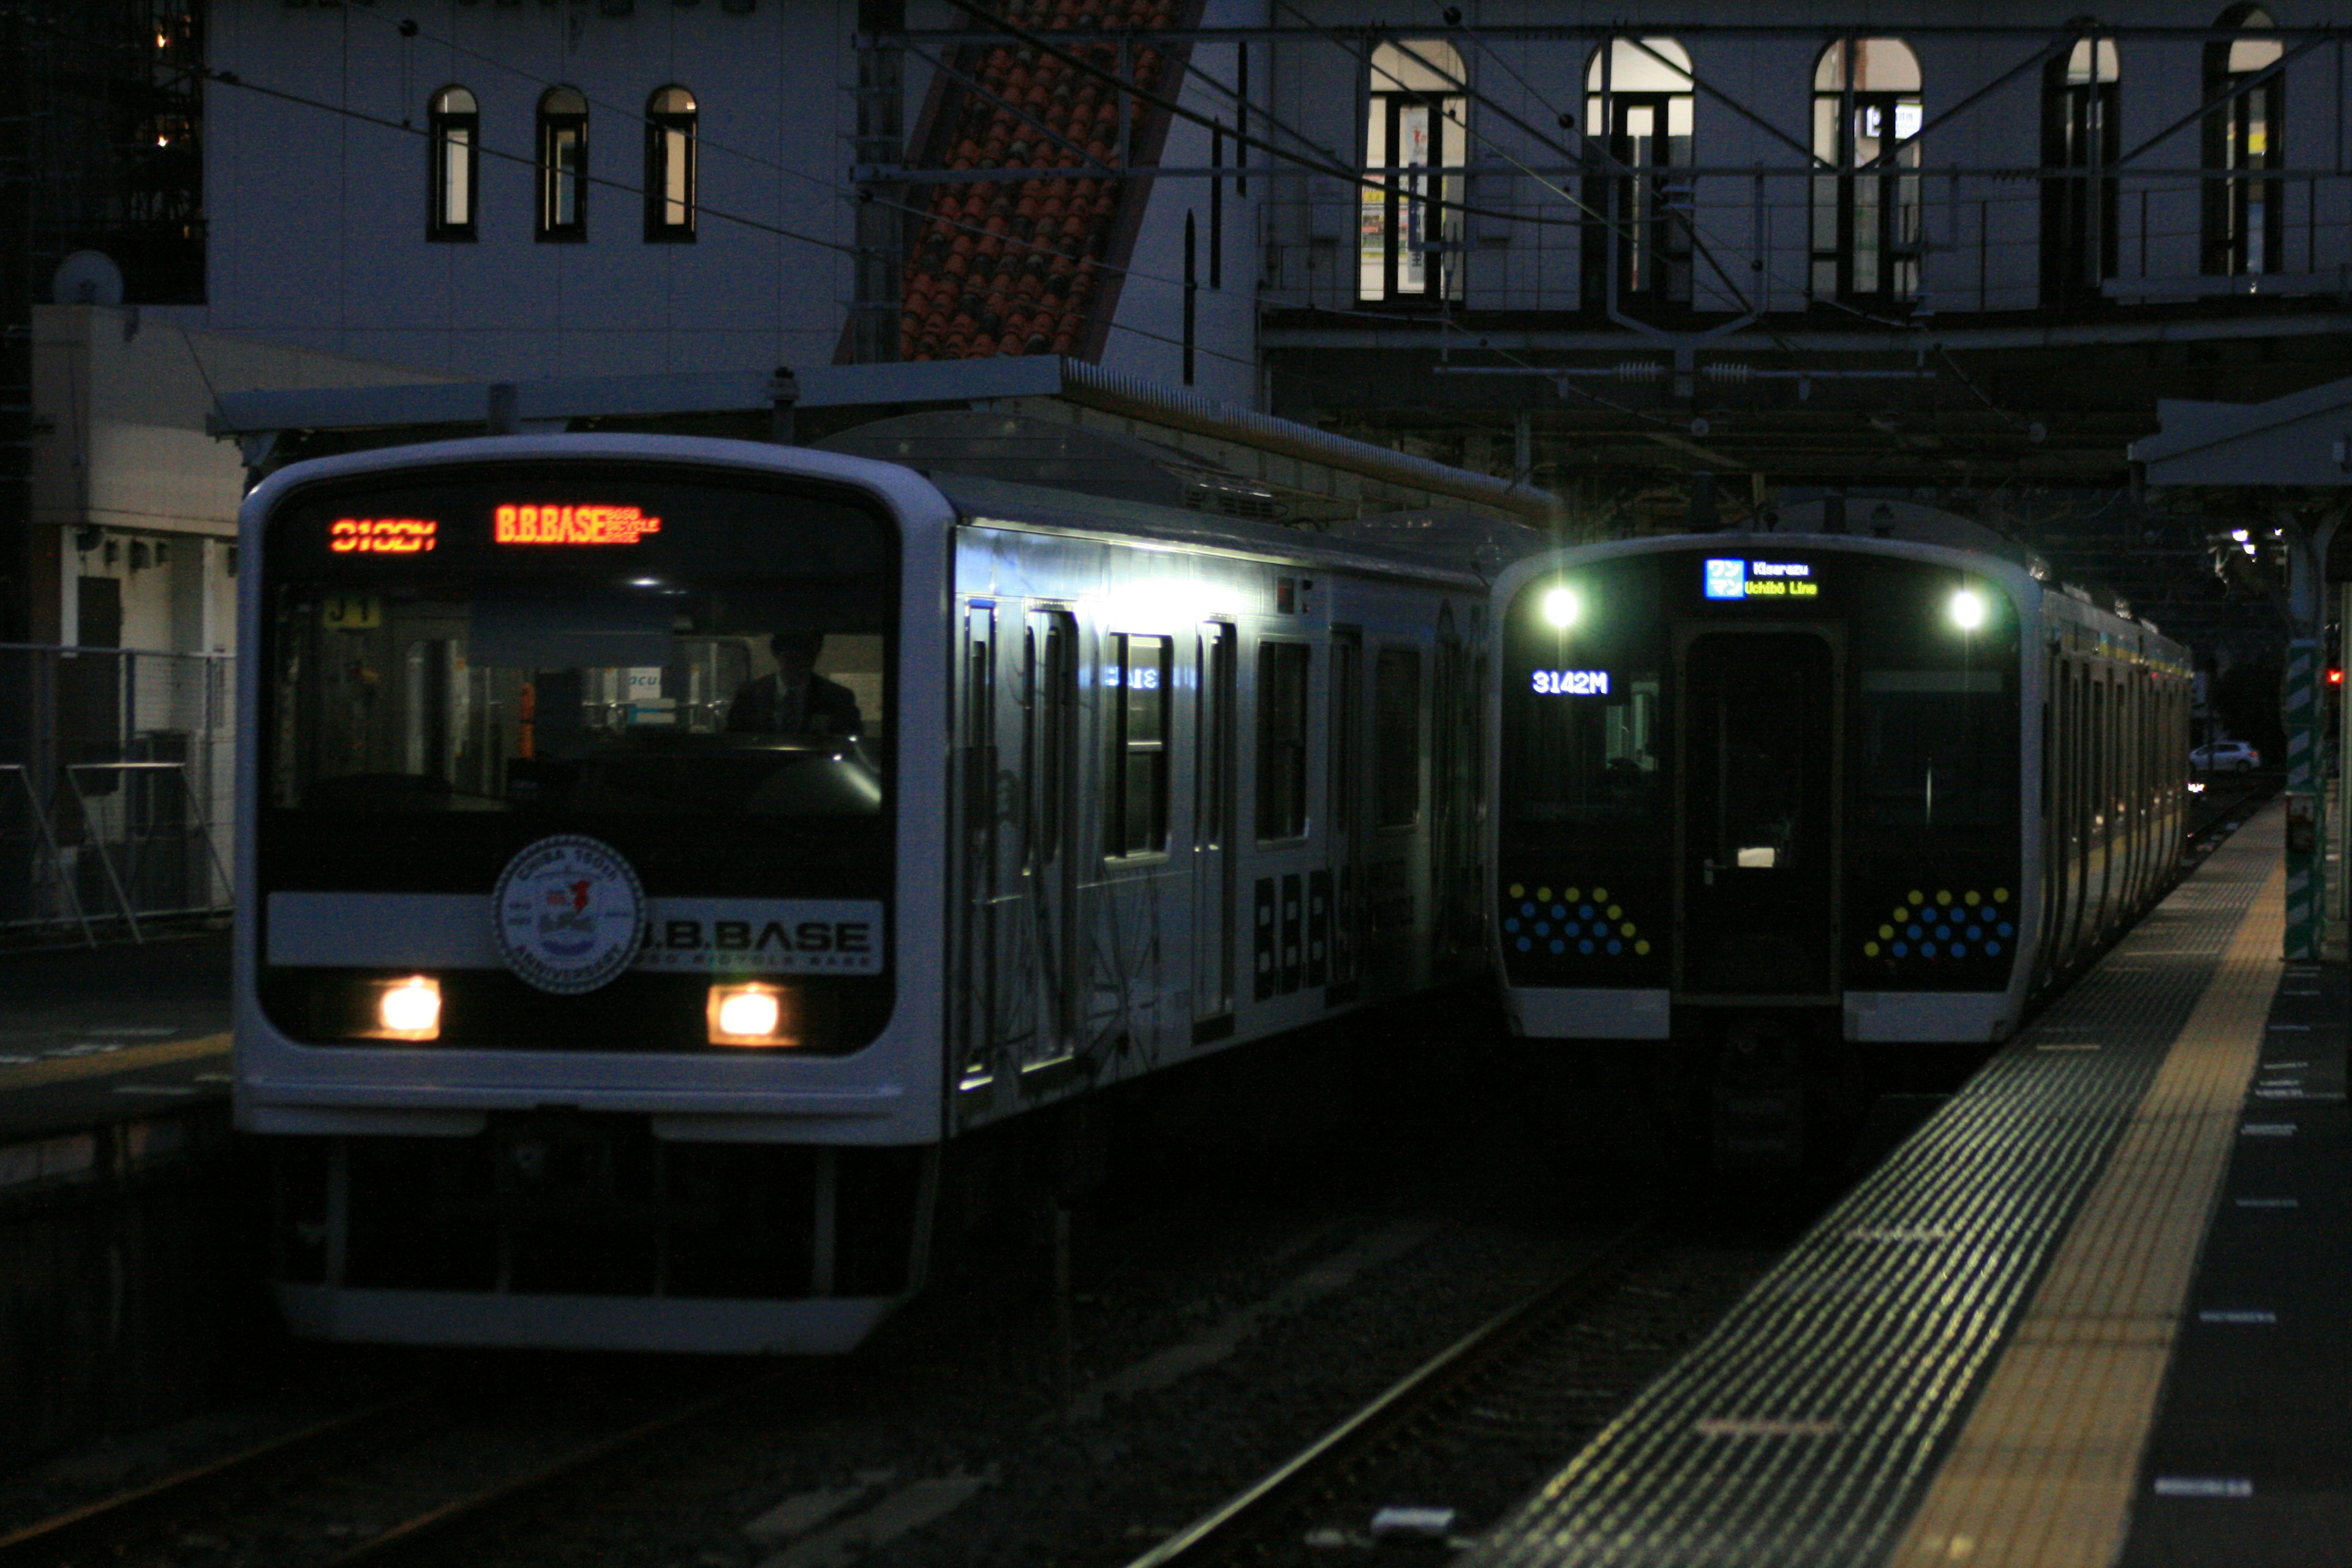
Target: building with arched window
x,y
1867,114
671,117
2081,126
1416,121
2245,138
563,165
452,137
1494,237
1638,115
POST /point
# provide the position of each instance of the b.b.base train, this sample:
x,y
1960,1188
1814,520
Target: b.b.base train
x,y
598,985
1773,797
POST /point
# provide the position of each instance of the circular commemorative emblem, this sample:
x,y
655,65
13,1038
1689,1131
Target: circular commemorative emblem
x,y
568,913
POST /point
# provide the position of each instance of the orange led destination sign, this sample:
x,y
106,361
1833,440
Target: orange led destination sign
x,y
381,535
573,524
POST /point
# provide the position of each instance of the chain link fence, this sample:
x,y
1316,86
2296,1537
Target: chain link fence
x,y
116,789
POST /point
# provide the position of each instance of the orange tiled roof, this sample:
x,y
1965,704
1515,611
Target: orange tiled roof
x,y
1023,268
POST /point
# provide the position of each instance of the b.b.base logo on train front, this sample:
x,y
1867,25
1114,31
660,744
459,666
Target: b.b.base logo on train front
x,y
569,913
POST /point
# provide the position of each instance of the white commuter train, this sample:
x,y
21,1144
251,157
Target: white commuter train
x,y
592,993
1772,791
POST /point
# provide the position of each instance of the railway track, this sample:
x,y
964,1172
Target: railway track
x,y
1493,1400
438,1467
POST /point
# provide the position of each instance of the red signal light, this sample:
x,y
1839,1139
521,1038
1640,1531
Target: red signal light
x,y
2334,678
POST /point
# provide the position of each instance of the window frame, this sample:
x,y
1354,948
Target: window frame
x,y
1449,111
555,122
2082,128
1123,753
439,124
661,125
1836,172
1652,242
2227,218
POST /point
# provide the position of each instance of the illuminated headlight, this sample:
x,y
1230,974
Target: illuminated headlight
x,y
753,1014
409,1009
1561,606
1968,609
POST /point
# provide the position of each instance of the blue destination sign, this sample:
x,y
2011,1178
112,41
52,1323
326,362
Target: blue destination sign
x,y
1572,682
1744,579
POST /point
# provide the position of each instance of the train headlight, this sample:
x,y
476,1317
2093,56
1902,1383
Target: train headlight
x,y
1968,609
409,1009
753,1014
1561,606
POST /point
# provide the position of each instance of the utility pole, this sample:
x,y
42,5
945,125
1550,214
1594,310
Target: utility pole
x,y
878,301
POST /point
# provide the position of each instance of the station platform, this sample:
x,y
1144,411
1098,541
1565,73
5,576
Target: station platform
x,y
92,1038
2091,1313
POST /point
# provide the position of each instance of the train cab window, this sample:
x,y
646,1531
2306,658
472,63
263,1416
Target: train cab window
x,y
1591,760
1931,748
1282,677
1134,792
1396,738
737,669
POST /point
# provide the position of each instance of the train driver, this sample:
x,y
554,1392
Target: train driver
x,y
796,700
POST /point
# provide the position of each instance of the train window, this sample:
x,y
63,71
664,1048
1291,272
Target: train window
x,y
1281,675
1396,738
1588,760
1938,747
1134,792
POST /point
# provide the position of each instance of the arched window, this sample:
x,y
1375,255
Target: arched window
x,y
1867,117
453,140
2082,130
1637,119
562,165
670,116
1411,246
2245,222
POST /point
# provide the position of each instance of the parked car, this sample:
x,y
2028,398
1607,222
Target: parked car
x,y
2225,757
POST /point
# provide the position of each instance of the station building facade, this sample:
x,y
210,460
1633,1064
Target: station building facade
x,y
514,191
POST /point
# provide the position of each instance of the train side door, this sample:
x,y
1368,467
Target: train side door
x,y
979,847
1338,890
1758,841
1453,788
1049,754
1213,832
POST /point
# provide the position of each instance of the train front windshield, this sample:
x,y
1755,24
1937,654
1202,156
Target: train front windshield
x,y
698,672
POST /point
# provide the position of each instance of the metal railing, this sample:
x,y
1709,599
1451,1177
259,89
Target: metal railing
x,y
117,788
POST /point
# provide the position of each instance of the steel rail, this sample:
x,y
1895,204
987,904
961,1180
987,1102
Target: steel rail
x,y
209,1484
1484,1347
437,1529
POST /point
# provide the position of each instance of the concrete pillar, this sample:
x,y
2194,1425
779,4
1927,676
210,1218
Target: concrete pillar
x,y
2307,726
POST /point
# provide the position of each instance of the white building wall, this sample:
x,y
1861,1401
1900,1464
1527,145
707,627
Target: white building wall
x,y
1147,333
318,215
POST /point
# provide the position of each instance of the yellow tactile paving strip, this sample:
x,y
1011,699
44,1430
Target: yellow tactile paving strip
x,y
2043,1472
104,1063
1806,1427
